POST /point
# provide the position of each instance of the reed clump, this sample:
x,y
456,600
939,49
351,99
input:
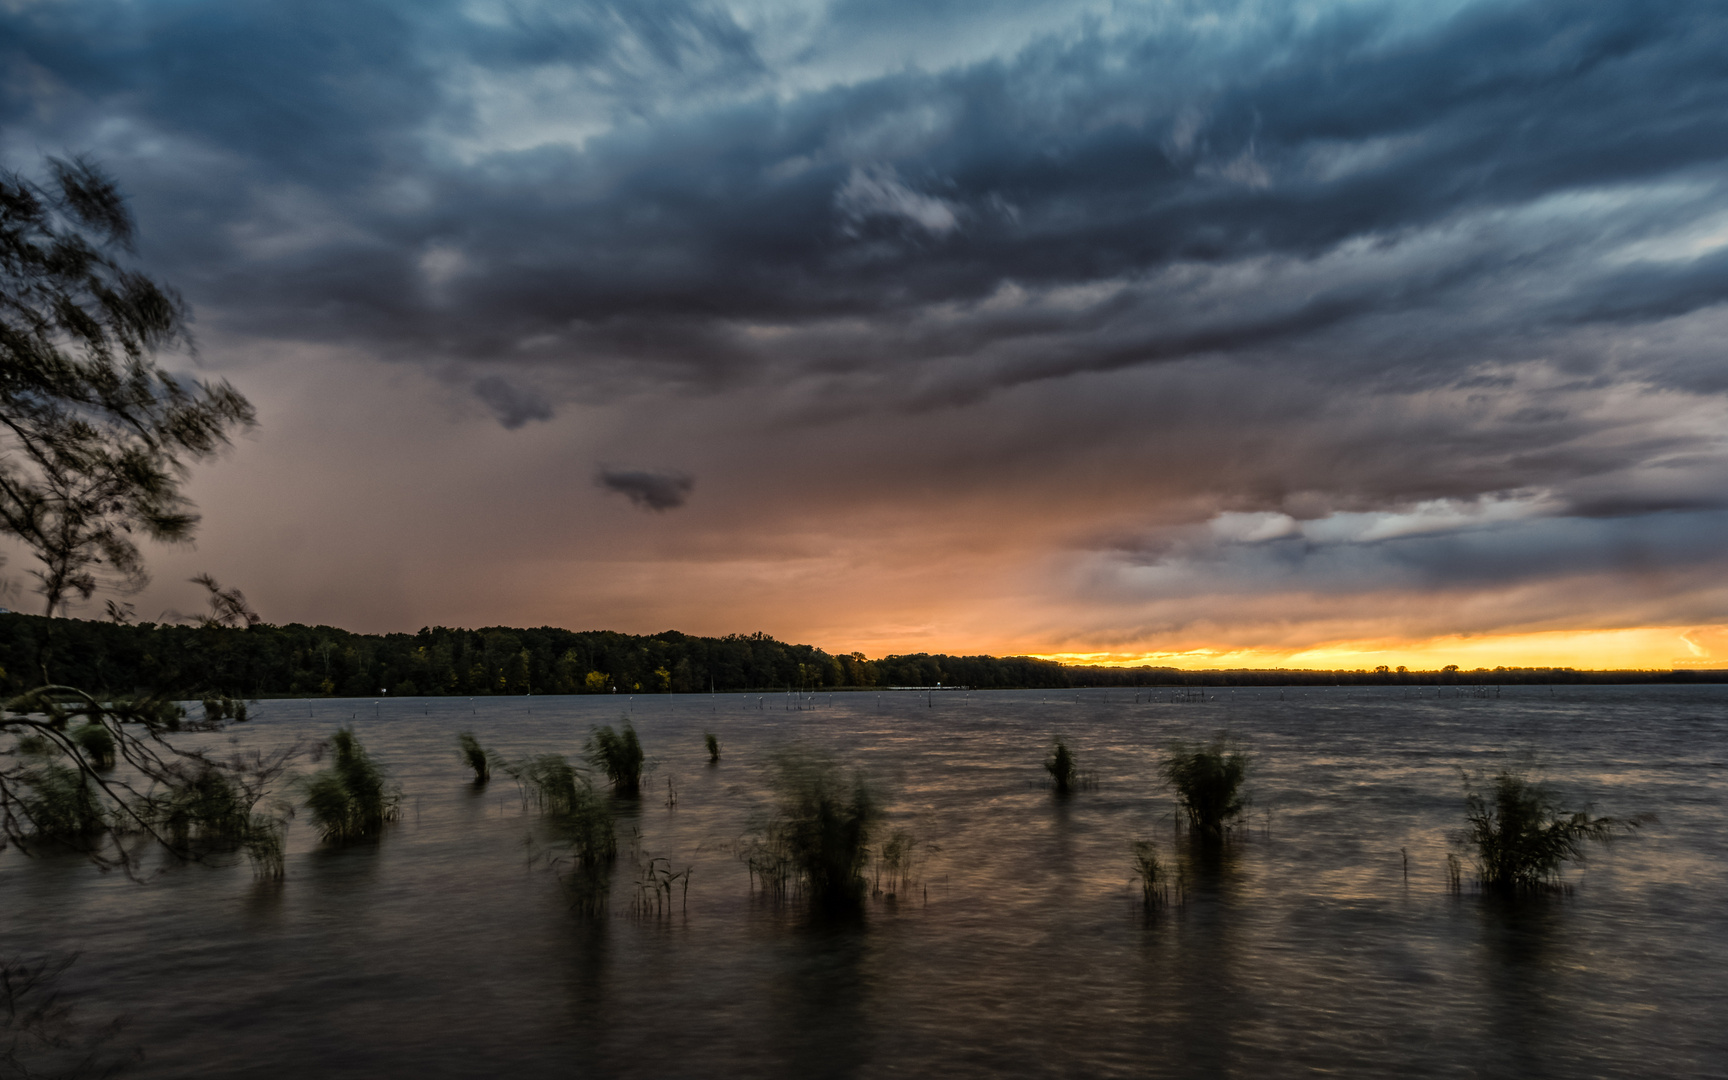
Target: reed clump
x,y
580,820
1061,767
897,862
713,744
63,805
96,743
352,799
1521,836
818,837
220,707
476,757
1207,779
618,754
1151,874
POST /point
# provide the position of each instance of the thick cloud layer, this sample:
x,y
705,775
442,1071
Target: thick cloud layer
x,y
1127,311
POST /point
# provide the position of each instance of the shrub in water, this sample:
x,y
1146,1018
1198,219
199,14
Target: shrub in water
x,y
351,799
619,755
1208,779
1150,873
63,805
821,828
476,757
580,819
96,743
1061,768
713,745
1521,836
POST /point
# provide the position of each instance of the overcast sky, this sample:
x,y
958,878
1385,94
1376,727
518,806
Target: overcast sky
x,y
1303,333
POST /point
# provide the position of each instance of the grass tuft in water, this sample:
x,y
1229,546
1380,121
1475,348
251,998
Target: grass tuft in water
x,y
476,757
1521,836
581,824
897,860
97,744
63,805
819,835
618,754
352,799
1207,779
1151,874
713,744
1060,765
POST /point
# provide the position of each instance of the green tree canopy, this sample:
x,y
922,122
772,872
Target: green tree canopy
x,y
95,436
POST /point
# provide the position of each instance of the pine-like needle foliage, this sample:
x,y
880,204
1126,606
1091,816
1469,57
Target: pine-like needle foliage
x,y
1207,779
1521,836
352,799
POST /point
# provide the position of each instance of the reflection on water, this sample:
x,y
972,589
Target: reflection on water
x,y
1303,946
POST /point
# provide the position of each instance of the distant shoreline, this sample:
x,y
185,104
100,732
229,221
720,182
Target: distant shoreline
x,y
299,661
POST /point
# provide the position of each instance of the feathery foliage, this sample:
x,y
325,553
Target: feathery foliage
x,y
581,823
1150,873
1060,765
95,437
1207,779
820,831
1521,836
476,757
60,785
618,754
351,799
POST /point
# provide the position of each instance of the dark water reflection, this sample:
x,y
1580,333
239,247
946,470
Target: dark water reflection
x,y
1303,947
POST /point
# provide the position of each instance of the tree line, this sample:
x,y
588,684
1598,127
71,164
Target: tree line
x,y
265,660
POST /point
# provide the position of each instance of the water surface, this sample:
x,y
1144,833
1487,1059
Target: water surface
x,y
1324,940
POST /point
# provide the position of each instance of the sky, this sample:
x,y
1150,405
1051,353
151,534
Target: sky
x,y
1206,334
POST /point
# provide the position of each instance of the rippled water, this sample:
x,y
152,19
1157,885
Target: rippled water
x,y
440,952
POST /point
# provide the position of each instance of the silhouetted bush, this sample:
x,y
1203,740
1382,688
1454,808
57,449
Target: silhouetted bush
x,y
350,800
819,835
1207,779
1150,873
713,744
476,757
1520,836
619,755
581,824
1060,766
97,744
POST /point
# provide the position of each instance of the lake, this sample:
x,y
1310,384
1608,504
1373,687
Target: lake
x,y
1325,939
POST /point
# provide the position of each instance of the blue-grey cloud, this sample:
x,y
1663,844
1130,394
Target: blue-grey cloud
x,y
1380,255
651,489
513,405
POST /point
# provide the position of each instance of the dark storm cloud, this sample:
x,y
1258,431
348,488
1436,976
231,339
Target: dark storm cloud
x,y
513,405
1334,264
1086,157
651,489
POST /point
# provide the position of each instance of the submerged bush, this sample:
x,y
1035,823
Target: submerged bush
x,y
1520,836
350,800
580,821
1207,779
63,805
1150,873
1060,766
96,743
476,757
619,755
819,834
709,740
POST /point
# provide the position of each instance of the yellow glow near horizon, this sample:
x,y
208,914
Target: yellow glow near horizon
x,y
1659,647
